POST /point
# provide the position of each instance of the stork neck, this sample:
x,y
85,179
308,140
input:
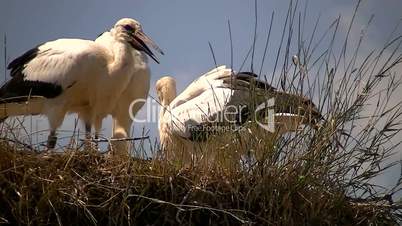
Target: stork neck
x,y
164,106
162,110
168,98
122,57
165,103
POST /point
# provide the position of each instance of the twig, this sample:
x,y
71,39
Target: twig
x,y
213,54
18,142
255,34
182,207
117,139
5,57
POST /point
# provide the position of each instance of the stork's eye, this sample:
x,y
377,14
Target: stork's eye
x,y
128,28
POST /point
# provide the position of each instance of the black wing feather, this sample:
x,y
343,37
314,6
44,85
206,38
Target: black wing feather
x,y
19,89
20,62
285,103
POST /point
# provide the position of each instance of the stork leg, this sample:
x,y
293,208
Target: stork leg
x,y
55,118
122,125
87,131
98,127
88,137
121,130
52,139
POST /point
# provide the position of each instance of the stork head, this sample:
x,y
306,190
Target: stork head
x,y
130,31
300,105
166,90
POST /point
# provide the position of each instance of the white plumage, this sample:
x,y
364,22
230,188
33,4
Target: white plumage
x,y
137,89
218,98
73,75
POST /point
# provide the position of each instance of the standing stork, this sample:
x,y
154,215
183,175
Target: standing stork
x,y
217,98
74,76
137,89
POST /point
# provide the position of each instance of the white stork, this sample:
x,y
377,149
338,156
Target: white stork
x,y
74,75
221,97
137,89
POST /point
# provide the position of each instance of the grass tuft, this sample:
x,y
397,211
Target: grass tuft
x,y
89,188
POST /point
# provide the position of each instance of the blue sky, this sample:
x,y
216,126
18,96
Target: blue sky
x,y
182,28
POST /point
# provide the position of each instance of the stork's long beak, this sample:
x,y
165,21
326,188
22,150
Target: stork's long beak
x,y
140,41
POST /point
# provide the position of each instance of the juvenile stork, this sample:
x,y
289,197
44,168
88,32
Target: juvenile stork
x,y
74,76
222,97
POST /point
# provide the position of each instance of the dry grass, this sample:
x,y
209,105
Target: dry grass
x,y
88,188
311,177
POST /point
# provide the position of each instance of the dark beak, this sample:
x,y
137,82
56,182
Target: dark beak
x,y
140,41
